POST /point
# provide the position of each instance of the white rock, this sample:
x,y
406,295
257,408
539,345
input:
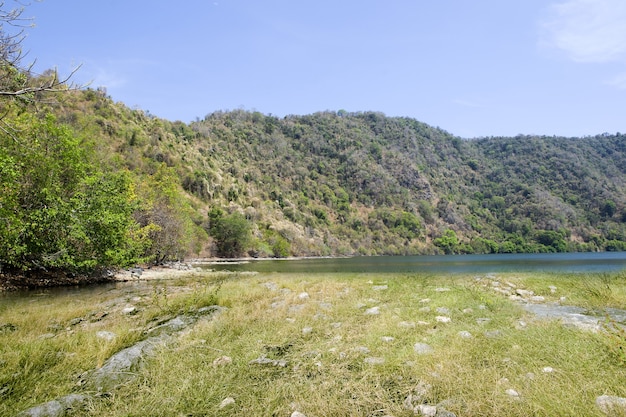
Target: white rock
x,y
442,289
227,401
380,287
426,410
610,404
512,393
387,339
372,311
464,334
303,295
422,348
307,330
443,310
547,370
374,360
297,414
129,310
443,319
407,324
103,334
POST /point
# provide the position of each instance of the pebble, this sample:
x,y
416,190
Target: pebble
x,y
422,348
443,319
464,334
611,405
374,360
227,401
105,335
512,393
374,311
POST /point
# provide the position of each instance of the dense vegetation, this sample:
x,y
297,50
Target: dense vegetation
x,y
86,182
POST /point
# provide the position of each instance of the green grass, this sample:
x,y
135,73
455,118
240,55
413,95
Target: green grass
x,y
327,341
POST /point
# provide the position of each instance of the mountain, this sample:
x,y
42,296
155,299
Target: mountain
x,y
241,183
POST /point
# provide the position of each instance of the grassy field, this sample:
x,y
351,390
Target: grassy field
x,y
322,345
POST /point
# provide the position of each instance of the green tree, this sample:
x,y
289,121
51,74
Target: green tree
x,y
232,234
449,242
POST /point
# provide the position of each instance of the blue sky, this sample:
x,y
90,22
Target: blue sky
x,y
474,68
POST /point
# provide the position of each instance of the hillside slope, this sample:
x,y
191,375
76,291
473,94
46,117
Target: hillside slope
x,y
241,183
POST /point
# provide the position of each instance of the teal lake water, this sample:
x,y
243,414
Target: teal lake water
x,y
547,262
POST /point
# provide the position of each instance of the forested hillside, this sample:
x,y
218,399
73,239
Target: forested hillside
x,y
88,183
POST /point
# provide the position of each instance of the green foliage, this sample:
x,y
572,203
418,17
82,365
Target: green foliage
x,y
58,210
449,241
342,183
232,234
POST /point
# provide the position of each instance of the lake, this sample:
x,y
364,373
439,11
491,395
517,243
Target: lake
x,y
521,262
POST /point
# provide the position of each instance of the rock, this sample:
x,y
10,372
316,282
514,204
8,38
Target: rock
x,y
326,306
227,401
374,360
547,370
524,293
307,330
443,319
442,310
442,289
262,360
493,334
8,327
422,348
130,310
105,335
56,408
424,309
464,334
272,286
380,287
222,361
425,410
303,295
387,339
512,393
75,321
407,324
610,404
297,414
374,311
362,349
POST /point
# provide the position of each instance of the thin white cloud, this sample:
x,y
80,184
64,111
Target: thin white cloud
x,y
587,30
